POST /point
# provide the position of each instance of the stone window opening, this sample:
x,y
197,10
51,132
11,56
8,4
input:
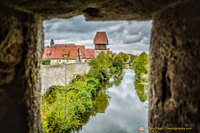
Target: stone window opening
x,y
174,58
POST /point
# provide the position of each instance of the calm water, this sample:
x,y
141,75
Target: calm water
x,y
118,109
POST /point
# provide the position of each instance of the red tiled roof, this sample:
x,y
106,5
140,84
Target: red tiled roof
x,y
64,45
58,52
66,51
69,45
87,53
48,51
100,38
80,46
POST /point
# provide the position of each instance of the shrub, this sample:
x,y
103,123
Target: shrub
x,y
113,70
118,62
100,77
46,62
62,106
140,63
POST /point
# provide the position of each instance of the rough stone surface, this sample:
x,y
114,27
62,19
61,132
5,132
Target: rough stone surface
x,y
61,74
174,57
20,54
93,9
174,73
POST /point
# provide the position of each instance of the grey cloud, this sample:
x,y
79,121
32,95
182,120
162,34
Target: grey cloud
x,y
122,35
75,25
132,39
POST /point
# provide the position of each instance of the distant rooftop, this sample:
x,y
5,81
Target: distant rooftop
x,y
100,38
71,45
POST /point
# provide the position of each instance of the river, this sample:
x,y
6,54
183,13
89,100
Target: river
x,y
119,108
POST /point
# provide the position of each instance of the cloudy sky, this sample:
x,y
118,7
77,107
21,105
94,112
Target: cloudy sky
x,y
124,36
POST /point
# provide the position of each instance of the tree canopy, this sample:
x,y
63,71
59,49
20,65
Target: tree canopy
x,y
140,63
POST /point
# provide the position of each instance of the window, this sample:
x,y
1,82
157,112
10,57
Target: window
x,y
59,60
48,54
66,55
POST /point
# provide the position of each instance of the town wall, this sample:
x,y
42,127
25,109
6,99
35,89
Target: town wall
x,y
60,74
60,61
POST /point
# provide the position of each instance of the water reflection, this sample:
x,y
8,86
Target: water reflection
x,y
141,86
101,101
120,108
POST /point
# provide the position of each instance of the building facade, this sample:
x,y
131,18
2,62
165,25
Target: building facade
x,y
71,53
68,53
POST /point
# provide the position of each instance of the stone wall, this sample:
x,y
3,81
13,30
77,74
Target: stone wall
x,y
60,74
174,57
174,75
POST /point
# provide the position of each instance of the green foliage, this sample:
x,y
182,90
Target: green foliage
x,y
118,62
140,63
64,106
124,56
46,62
141,86
104,66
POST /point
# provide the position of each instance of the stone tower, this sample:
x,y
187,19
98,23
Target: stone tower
x,y
52,42
101,42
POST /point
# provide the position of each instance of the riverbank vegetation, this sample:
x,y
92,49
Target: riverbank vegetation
x,y
140,65
63,107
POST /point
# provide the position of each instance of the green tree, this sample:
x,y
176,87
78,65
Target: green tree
x,y
64,107
141,87
100,66
140,63
118,62
46,62
124,56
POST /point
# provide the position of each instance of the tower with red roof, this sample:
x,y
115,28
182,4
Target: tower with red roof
x,y
101,42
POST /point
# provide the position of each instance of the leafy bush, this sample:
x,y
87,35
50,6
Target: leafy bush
x,y
46,62
124,56
118,62
113,69
104,66
65,111
140,63
140,87
63,106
